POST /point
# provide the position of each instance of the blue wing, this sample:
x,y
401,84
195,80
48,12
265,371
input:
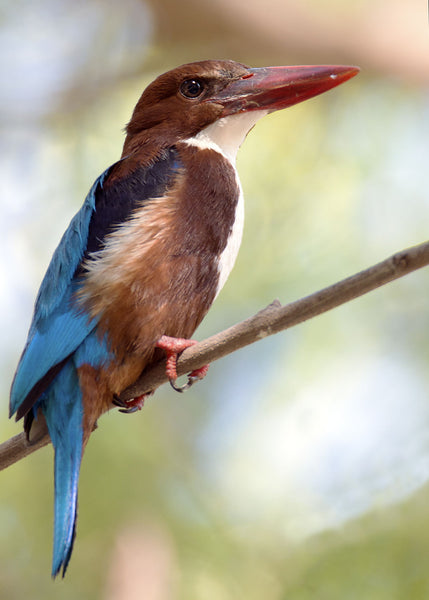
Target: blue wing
x,y
62,338
58,327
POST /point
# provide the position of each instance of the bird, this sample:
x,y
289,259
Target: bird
x,y
146,255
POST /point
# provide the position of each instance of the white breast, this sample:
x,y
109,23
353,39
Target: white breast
x,y
226,136
228,256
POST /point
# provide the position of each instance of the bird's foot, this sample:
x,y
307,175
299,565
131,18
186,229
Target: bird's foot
x,y
129,406
172,347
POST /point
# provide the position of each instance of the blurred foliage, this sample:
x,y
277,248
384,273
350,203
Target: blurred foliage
x,y
298,469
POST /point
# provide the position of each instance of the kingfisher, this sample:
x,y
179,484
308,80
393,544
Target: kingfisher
x,y
144,258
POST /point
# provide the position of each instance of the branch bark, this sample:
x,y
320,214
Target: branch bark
x,y
272,319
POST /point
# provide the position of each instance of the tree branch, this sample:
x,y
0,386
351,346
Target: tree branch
x,y
18,447
270,320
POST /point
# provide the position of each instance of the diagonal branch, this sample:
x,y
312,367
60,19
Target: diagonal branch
x,y
270,320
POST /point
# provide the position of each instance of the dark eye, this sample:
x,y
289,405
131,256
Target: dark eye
x,y
191,88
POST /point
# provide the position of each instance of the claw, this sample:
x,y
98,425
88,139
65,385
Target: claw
x,y
129,406
129,411
118,402
185,386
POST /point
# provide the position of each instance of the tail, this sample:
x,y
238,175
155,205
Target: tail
x,y
63,411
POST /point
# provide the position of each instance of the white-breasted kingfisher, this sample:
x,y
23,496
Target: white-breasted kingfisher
x,y
142,261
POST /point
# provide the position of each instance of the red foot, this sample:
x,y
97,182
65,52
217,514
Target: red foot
x,y
172,347
130,406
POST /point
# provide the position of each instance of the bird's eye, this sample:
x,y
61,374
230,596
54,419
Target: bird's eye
x,y
192,88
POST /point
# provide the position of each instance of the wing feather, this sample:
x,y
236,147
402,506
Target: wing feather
x,y
59,325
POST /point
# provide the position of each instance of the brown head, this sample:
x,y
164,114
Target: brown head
x,y
182,102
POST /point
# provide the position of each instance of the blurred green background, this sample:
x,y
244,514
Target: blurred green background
x,y
298,469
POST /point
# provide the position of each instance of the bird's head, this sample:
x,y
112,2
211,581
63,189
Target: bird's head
x,y
185,101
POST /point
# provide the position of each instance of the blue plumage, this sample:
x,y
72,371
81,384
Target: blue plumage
x,y
60,330
57,327
63,338
62,407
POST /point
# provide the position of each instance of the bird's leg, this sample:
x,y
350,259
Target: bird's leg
x,y
172,347
129,406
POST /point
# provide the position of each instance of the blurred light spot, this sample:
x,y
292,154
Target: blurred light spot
x,y
51,47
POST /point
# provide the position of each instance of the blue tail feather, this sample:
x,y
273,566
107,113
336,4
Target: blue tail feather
x,y
63,411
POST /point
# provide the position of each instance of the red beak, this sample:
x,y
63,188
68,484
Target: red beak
x,y
274,88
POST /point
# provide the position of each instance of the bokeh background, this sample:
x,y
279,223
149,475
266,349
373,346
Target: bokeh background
x,y
299,468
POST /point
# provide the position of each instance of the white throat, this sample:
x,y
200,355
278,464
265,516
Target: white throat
x,y
227,134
